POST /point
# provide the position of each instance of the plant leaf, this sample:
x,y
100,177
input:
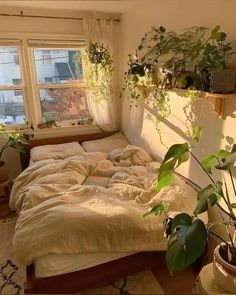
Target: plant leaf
x,y
214,160
229,162
157,209
186,243
175,156
197,133
208,196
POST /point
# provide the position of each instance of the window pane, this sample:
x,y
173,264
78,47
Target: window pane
x,y
9,65
64,104
58,65
11,107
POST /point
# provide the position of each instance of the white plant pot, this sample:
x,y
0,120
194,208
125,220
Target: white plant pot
x,y
224,273
3,172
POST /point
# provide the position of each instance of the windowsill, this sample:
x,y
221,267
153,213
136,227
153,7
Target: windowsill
x,y
65,131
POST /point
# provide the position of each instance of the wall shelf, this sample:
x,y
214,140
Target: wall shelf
x,y
217,99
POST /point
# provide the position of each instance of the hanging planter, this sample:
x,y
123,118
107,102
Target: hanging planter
x,y
99,70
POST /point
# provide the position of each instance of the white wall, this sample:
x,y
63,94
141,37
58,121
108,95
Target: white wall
x,y
177,15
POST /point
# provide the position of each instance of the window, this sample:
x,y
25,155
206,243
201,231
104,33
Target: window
x,y
15,56
54,88
46,57
61,87
11,86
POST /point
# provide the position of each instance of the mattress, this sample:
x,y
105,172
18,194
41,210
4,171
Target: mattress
x,y
58,264
54,264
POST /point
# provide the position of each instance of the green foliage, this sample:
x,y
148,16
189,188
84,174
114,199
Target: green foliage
x,y
162,60
188,234
210,195
157,210
186,243
99,70
213,161
16,140
176,155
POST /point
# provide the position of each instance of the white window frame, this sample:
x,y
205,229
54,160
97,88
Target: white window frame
x,y
30,90
22,86
37,86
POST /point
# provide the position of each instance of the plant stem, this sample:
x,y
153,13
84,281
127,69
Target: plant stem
x,y
202,167
232,180
221,208
228,202
187,179
5,146
217,236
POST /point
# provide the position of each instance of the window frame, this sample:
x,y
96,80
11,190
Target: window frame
x,y
22,87
32,103
54,44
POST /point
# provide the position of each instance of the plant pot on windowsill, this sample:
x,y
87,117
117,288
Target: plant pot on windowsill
x,y
3,172
222,81
224,272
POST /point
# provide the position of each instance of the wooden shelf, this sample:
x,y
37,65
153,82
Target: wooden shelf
x,y
216,99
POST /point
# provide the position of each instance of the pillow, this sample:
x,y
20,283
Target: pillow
x,y
107,144
55,151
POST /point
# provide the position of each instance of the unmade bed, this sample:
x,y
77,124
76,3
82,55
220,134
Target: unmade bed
x,y
82,206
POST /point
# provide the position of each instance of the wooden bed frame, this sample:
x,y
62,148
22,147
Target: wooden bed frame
x,y
93,277
97,276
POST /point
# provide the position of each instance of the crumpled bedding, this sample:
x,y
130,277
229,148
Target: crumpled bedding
x,y
58,215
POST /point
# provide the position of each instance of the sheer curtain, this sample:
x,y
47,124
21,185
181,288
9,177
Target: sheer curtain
x,y
106,113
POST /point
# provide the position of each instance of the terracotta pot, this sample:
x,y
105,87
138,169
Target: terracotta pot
x,y
224,273
3,172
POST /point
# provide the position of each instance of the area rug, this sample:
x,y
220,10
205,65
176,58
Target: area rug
x,y
13,275
143,283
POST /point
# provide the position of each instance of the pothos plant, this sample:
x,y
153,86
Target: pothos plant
x,y
187,234
99,70
160,54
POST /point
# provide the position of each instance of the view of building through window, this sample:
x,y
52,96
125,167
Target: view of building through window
x,y
65,67
11,101
53,67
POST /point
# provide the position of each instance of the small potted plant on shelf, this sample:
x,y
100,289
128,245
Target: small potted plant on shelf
x,y
187,233
99,71
17,140
212,62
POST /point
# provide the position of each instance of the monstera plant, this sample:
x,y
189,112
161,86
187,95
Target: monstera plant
x,y
187,234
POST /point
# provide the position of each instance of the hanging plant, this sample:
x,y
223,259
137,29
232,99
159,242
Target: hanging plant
x,y
99,70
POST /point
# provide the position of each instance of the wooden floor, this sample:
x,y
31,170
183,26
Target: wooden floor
x,y
179,283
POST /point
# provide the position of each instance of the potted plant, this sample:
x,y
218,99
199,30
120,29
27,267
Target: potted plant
x,y
99,70
16,140
187,233
212,62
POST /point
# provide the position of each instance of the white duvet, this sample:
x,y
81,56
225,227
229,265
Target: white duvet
x,y
58,215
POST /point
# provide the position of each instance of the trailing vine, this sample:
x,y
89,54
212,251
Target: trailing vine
x,y
99,70
194,130
166,59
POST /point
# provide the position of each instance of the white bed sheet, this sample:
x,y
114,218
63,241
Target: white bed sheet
x,y
53,264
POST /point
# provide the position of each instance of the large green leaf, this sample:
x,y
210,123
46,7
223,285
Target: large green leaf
x,y
208,196
229,161
214,160
186,243
175,156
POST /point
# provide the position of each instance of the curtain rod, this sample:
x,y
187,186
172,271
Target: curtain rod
x,y
54,17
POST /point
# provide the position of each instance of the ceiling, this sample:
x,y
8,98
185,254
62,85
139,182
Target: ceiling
x,y
118,6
